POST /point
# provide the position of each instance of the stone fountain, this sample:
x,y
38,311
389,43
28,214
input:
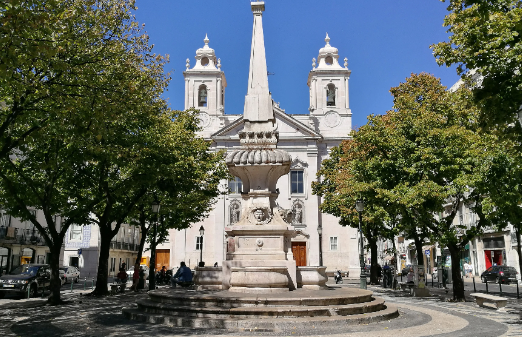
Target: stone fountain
x,y
253,286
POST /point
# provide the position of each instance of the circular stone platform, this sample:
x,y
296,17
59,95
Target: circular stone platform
x,y
232,310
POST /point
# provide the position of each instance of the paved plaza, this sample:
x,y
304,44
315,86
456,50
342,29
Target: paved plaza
x,y
88,316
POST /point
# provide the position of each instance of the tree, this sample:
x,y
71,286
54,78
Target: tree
x,y
418,164
76,80
443,153
485,42
504,184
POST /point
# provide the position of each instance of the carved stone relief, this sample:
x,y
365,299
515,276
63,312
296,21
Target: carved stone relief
x,y
259,215
298,212
235,211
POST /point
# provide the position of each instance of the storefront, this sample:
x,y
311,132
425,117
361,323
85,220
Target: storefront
x,y
494,251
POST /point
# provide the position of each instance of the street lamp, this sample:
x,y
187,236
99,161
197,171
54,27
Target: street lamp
x,y
152,274
359,206
320,232
201,233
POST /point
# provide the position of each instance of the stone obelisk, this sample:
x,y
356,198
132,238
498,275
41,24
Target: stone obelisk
x,y
259,257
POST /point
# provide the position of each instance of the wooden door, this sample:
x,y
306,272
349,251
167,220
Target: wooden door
x,y
299,251
162,258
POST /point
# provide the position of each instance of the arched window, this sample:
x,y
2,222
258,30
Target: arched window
x,y
202,95
330,95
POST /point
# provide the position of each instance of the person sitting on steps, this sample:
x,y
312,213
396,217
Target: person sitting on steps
x,y
183,276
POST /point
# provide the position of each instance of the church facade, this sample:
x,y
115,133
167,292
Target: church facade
x,y
308,138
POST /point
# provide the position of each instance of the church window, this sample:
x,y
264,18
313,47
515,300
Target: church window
x,y
328,60
202,95
296,182
235,185
330,95
333,243
204,61
199,242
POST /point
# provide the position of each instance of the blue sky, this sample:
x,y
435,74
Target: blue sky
x,y
384,41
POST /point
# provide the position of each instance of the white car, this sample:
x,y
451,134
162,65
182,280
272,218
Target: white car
x,y
69,274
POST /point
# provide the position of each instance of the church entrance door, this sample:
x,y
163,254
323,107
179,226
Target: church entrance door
x,y
299,251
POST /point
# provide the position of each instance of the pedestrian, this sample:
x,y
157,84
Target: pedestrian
x,y
386,275
135,277
183,275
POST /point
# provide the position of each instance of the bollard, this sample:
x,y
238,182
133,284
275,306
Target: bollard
x,y
28,290
487,291
72,285
518,294
500,285
474,287
92,284
84,283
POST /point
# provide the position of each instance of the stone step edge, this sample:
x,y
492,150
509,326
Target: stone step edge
x,y
163,297
374,305
390,312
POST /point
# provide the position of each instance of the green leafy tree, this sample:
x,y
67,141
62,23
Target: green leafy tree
x,y
504,184
485,41
80,88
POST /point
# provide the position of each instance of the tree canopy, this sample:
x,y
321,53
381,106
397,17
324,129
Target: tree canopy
x,y
485,44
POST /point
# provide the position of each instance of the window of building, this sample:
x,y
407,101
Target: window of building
x,y
199,242
296,182
235,185
5,219
333,243
202,95
113,264
204,61
75,233
330,95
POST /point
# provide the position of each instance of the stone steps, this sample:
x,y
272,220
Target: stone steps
x,y
153,307
260,322
210,299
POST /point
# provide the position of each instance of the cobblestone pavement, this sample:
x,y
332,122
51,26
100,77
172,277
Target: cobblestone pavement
x,y
90,316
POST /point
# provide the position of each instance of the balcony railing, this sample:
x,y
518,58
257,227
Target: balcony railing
x,y
20,236
132,247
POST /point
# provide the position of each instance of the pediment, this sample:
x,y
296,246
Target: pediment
x,y
285,124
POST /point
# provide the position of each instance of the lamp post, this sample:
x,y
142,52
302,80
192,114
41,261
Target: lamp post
x,y
201,233
320,232
359,206
152,273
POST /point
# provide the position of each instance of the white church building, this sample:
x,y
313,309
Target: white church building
x,y
307,137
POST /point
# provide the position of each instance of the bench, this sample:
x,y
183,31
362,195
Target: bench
x,y
499,302
406,286
118,288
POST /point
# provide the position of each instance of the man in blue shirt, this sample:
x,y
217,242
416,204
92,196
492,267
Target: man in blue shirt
x,y
183,275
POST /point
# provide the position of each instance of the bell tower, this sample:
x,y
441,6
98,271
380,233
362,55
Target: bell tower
x,y
205,83
328,83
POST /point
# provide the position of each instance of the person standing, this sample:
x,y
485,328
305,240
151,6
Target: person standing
x,y
135,277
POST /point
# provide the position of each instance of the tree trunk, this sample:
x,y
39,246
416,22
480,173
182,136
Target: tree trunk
x,y
519,249
458,283
103,261
418,249
373,256
56,284
144,232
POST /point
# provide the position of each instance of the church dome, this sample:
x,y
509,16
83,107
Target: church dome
x,y
328,56
205,58
327,49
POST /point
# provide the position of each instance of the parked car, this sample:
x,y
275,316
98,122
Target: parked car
x,y
32,277
69,274
499,274
130,272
